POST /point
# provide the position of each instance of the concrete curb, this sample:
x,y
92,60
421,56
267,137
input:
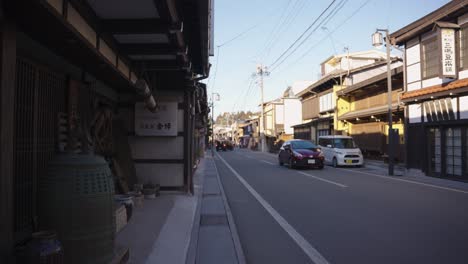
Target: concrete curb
x,y
192,248
232,226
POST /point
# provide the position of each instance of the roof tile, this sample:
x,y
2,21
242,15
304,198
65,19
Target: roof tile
x,y
436,89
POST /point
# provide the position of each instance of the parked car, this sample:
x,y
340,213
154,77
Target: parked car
x,y
341,151
300,153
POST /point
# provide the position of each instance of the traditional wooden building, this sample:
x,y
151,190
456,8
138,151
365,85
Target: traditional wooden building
x,y
362,112
436,91
108,61
280,115
319,100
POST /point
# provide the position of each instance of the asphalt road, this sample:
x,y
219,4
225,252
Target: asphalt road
x,y
340,215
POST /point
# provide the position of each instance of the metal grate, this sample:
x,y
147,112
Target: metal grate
x,y
40,95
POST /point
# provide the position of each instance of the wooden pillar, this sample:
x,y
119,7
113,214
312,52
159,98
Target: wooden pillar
x,y
187,179
192,139
7,99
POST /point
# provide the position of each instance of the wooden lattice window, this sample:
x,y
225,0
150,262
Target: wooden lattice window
x,y
39,96
430,58
464,47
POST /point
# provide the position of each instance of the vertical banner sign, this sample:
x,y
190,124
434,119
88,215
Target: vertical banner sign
x,y
447,36
161,123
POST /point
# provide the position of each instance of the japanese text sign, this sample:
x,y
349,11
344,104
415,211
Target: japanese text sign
x,y
448,58
161,123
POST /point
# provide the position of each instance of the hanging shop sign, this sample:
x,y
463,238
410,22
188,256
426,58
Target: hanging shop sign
x,y
447,50
161,123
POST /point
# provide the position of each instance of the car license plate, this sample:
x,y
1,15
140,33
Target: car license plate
x,y
349,161
311,161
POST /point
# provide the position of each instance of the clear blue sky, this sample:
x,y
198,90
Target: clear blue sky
x,y
251,32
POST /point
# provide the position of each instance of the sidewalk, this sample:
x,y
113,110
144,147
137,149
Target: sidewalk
x,y
214,235
178,228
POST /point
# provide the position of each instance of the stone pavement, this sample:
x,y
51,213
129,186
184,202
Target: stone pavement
x,y
214,236
178,228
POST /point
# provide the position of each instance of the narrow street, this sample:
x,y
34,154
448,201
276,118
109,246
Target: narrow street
x,y
340,215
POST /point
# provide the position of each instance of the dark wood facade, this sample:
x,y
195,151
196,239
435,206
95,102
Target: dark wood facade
x,y
436,116
7,98
46,44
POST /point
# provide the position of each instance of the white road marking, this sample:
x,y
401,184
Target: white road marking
x,y
267,162
321,179
308,249
408,181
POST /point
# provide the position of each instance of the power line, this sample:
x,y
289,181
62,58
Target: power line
x,y
247,95
310,33
270,35
330,32
216,70
303,33
293,14
238,36
335,11
251,78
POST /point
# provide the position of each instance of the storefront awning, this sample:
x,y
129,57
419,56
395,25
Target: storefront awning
x,y
314,121
367,112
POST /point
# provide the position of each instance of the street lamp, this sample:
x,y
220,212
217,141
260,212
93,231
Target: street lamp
x,y
214,97
377,41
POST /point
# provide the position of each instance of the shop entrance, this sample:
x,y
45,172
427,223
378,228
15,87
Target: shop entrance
x,y
448,152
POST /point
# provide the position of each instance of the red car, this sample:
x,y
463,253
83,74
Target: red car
x,y
300,153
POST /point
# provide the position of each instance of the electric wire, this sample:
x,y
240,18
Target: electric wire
x,y
250,79
303,34
216,71
247,95
293,14
329,34
271,34
336,8
224,44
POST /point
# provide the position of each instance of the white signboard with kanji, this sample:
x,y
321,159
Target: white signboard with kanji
x,y
161,123
448,52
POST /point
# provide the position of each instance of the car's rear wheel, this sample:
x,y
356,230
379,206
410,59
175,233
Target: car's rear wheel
x,y
335,163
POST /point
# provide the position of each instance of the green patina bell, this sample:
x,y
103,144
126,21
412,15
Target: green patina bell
x,y
76,200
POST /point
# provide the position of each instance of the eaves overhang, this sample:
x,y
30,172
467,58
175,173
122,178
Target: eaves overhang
x,y
446,13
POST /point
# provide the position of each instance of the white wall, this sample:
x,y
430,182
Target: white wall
x,y
280,114
157,148
327,102
414,112
413,64
362,76
269,125
292,114
464,107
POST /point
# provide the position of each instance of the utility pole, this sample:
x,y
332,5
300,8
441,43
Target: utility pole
x,y
213,98
377,41
261,71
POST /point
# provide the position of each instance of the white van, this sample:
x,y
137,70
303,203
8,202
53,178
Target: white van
x,y
340,151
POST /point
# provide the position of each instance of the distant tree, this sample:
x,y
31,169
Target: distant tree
x,y
226,118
